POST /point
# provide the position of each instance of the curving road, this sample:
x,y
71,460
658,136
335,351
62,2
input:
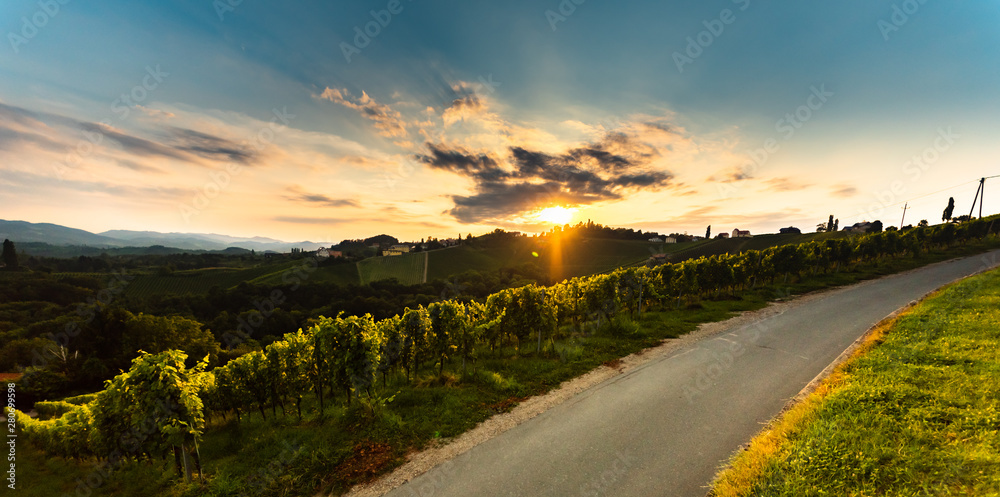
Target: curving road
x,y
665,427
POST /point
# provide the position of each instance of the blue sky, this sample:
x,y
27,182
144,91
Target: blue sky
x,y
466,116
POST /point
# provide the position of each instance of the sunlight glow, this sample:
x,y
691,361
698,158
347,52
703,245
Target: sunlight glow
x,y
556,215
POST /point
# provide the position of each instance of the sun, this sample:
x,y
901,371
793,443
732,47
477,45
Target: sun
x,y
556,215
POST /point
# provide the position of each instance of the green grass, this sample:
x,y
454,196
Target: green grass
x,y
408,269
917,413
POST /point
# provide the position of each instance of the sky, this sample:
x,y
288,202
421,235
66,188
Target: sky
x,y
325,121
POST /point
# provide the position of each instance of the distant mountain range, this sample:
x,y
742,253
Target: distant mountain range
x,y
54,234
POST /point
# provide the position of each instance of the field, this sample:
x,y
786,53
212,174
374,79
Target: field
x,y
198,280
408,269
580,257
340,445
917,412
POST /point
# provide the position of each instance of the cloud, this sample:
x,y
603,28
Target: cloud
x,y
389,122
784,185
731,175
528,179
466,107
299,195
209,147
481,166
843,190
58,133
155,113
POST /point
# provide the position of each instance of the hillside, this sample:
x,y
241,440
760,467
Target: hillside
x,y
557,260
54,239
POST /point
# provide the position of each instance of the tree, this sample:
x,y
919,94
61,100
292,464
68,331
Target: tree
x,y
876,227
946,216
830,223
923,223
708,232
836,224
9,255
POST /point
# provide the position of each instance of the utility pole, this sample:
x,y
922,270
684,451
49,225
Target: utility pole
x,y
904,215
980,195
982,183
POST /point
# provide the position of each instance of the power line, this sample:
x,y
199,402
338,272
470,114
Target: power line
x,y
935,193
911,200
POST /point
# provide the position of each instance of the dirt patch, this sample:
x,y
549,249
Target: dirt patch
x,y
505,405
368,460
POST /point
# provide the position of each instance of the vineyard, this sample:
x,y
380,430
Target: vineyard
x,y
408,269
198,280
361,363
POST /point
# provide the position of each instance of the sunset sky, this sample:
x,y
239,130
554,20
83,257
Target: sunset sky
x,y
330,120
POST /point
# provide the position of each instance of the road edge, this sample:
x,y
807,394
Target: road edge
x,y
422,461
853,350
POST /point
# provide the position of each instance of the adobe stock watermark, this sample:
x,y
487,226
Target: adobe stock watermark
x,y
121,107
220,180
901,15
915,168
223,7
721,361
31,26
601,483
714,28
11,437
564,10
786,127
363,36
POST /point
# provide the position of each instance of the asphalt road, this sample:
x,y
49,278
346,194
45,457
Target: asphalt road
x,y
664,428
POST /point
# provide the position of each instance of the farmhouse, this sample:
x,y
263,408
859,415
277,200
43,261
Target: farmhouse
x,y
861,227
791,230
397,250
670,239
738,233
656,240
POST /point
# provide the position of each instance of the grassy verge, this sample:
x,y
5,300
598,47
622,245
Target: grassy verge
x,y
331,450
916,411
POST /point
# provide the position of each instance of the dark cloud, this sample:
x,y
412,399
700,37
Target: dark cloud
x,y
529,179
209,146
843,191
134,144
504,200
481,166
180,143
732,175
296,193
